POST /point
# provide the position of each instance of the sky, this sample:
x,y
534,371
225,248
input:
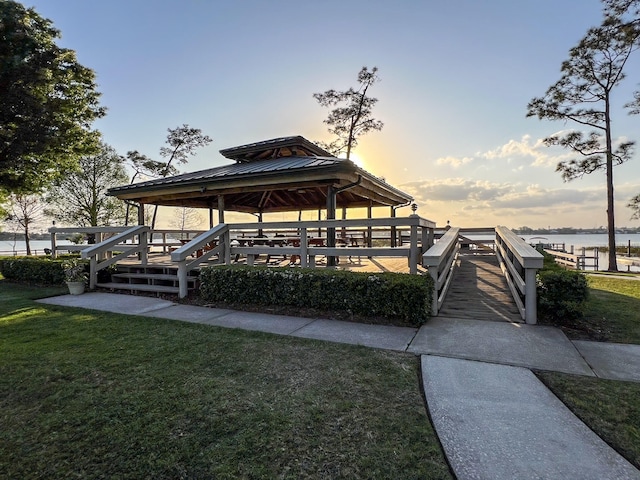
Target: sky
x,y
455,80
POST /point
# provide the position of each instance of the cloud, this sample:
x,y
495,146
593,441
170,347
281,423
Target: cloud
x,y
525,151
525,148
455,189
453,161
482,203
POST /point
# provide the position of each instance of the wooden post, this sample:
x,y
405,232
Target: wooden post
x,y
226,241
183,285
331,215
144,247
210,218
413,251
220,208
393,228
530,306
369,229
304,255
434,298
141,214
93,272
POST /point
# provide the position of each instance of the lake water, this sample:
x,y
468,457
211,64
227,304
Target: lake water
x,y
9,247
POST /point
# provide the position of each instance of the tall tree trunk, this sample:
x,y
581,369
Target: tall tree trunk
x,y
611,224
27,239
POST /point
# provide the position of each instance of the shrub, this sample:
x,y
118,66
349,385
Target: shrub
x,y
561,295
33,270
404,298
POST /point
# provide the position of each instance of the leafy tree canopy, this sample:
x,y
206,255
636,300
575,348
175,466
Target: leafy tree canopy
x,y
352,116
80,197
583,96
634,205
48,102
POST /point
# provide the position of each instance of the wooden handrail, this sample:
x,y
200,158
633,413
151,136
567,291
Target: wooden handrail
x,y
95,252
440,263
519,262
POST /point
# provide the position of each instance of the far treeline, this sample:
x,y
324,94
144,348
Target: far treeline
x,y
572,231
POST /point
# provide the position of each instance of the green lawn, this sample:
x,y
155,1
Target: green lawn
x,y
95,394
610,408
613,309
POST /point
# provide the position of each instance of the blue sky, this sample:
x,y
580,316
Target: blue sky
x,y
456,77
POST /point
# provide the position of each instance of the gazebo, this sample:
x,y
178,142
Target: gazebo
x,y
285,174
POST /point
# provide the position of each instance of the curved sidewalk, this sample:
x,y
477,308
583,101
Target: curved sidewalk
x,y
495,419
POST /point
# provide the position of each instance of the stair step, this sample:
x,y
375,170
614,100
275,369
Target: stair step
x,y
151,276
139,286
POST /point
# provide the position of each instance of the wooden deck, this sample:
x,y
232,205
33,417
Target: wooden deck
x,y
354,263
479,291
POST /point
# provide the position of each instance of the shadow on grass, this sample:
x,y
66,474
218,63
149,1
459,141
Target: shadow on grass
x,y
86,393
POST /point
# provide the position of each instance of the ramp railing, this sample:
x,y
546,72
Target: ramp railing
x,y
440,262
519,262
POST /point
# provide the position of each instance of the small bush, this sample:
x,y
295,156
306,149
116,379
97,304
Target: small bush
x,y
33,270
404,298
561,295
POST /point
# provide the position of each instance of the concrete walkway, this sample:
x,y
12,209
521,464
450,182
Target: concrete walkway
x,y
495,419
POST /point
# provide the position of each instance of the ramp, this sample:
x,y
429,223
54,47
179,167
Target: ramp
x,y
479,291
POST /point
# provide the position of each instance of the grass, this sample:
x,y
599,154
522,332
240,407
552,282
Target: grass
x,y
95,394
612,310
610,408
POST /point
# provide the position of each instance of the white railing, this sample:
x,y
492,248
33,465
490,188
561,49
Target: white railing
x,y
168,240
519,262
306,240
100,233
215,242
440,262
577,261
101,255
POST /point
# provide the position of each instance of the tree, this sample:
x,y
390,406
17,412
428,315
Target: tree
x,y
143,166
80,198
186,218
25,211
48,102
583,96
634,205
353,117
182,143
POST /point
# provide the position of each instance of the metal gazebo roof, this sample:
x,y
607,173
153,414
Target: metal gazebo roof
x,y
279,175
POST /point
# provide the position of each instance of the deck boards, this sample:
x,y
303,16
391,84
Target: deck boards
x,y
479,291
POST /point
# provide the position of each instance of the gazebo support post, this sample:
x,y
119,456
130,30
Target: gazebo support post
x,y
343,231
369,229
210,218
331,215
220,209
141,214
393,228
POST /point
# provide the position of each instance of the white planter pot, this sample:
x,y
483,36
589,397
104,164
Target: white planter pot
x,y
76,288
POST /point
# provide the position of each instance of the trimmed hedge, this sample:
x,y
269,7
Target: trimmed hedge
x,y
33,270
562,294
402,297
